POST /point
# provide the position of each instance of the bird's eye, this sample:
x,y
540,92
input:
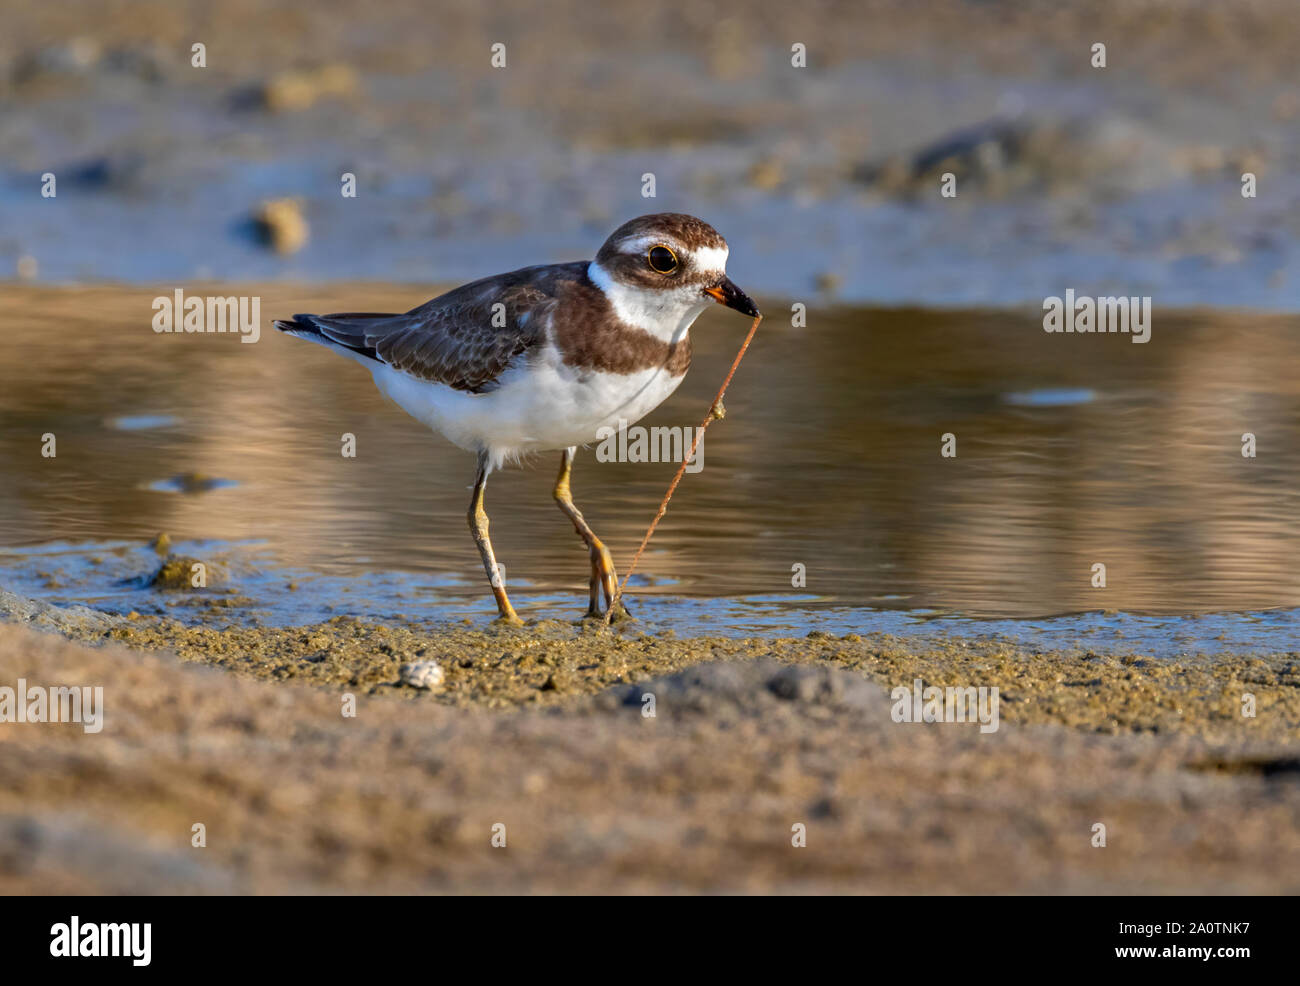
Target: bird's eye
x,y
662,260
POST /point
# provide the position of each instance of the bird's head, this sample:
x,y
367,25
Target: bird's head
x,y
660,271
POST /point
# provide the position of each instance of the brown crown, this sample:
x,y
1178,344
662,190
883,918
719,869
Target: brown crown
x,y
690,232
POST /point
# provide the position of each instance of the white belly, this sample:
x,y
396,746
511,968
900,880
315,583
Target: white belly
x,y
539,407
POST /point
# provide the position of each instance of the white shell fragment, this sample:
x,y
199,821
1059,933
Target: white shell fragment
x,y
423,674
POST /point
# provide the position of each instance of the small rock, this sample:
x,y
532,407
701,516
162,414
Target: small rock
x,y
423,674
299,89
828,283
177,572
280,225
76,57
534,783
766,174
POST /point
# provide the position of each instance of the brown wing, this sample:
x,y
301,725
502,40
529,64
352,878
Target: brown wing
x,y
461,338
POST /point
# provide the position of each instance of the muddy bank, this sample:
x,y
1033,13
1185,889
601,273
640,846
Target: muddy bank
x,y
404,797
553,662
750,737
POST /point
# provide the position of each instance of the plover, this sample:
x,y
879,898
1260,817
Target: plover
x,y
542,358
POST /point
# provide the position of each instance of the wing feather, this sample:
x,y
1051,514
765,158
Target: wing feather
x,y
461,339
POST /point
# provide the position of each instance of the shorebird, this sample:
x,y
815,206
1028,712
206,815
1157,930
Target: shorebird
x,y
542,358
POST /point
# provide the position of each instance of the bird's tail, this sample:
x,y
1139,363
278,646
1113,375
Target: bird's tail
x,y
350,333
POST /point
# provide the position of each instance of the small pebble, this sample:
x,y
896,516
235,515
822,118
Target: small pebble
x,y
281,225
423,674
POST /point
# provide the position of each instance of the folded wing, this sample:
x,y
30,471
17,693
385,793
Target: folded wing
x,y
465,339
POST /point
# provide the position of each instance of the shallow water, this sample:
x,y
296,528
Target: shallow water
x,y
1071,451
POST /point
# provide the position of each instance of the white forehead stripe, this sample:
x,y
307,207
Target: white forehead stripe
x,y
641,244
704,258
711,258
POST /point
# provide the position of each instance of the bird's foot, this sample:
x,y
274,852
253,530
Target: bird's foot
x,y
595,614
621,614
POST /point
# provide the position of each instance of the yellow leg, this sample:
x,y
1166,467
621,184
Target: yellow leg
x,y
603,577
478,525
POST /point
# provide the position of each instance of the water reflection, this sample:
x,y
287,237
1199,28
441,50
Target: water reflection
x,y
829,458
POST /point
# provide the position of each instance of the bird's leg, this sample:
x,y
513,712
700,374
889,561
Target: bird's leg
x,y
478,525
603,577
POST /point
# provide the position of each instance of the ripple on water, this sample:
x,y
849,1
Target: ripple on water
x,y
190,482
141,422
1051,397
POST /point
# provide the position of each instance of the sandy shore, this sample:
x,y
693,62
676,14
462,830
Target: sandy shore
x,y
542,731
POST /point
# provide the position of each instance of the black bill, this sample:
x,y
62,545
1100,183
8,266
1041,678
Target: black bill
x,y
728,294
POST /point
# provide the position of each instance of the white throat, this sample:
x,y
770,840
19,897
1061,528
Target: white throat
x,y
666,314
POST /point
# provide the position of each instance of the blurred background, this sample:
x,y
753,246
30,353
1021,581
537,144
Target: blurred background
x,y
923,319
1124,177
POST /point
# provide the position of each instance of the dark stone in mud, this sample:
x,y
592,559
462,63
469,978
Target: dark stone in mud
x,y
118,173
84,59
1005,157
753,687
823,686
1270,768
298,89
